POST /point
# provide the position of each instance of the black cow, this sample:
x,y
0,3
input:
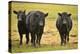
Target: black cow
x,y
21,16
64,25
35,22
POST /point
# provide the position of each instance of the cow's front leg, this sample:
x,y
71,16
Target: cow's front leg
x,y
27,38
21,40
40,36
61,37
68,37
64,39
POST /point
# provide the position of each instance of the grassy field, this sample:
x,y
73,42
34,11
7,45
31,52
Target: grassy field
x,y
50,39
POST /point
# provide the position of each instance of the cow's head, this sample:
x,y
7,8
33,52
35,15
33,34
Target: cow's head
x,y
20,14
40,18
64,17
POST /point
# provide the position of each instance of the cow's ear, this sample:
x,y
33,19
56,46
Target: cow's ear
x,y
46,14
15,12
59,14
69,14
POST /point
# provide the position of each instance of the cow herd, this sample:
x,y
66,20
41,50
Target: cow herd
x,y
34,21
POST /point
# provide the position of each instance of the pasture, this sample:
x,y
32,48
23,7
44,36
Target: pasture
x,y
50,39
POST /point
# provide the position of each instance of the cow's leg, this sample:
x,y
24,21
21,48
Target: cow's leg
x,y
33,39
61,36
68,37
37,41
37,38
39,35
21,39
64,39
40,38
27,38
20,30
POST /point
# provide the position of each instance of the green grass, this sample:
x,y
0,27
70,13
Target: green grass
x,y
44,47
52,9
